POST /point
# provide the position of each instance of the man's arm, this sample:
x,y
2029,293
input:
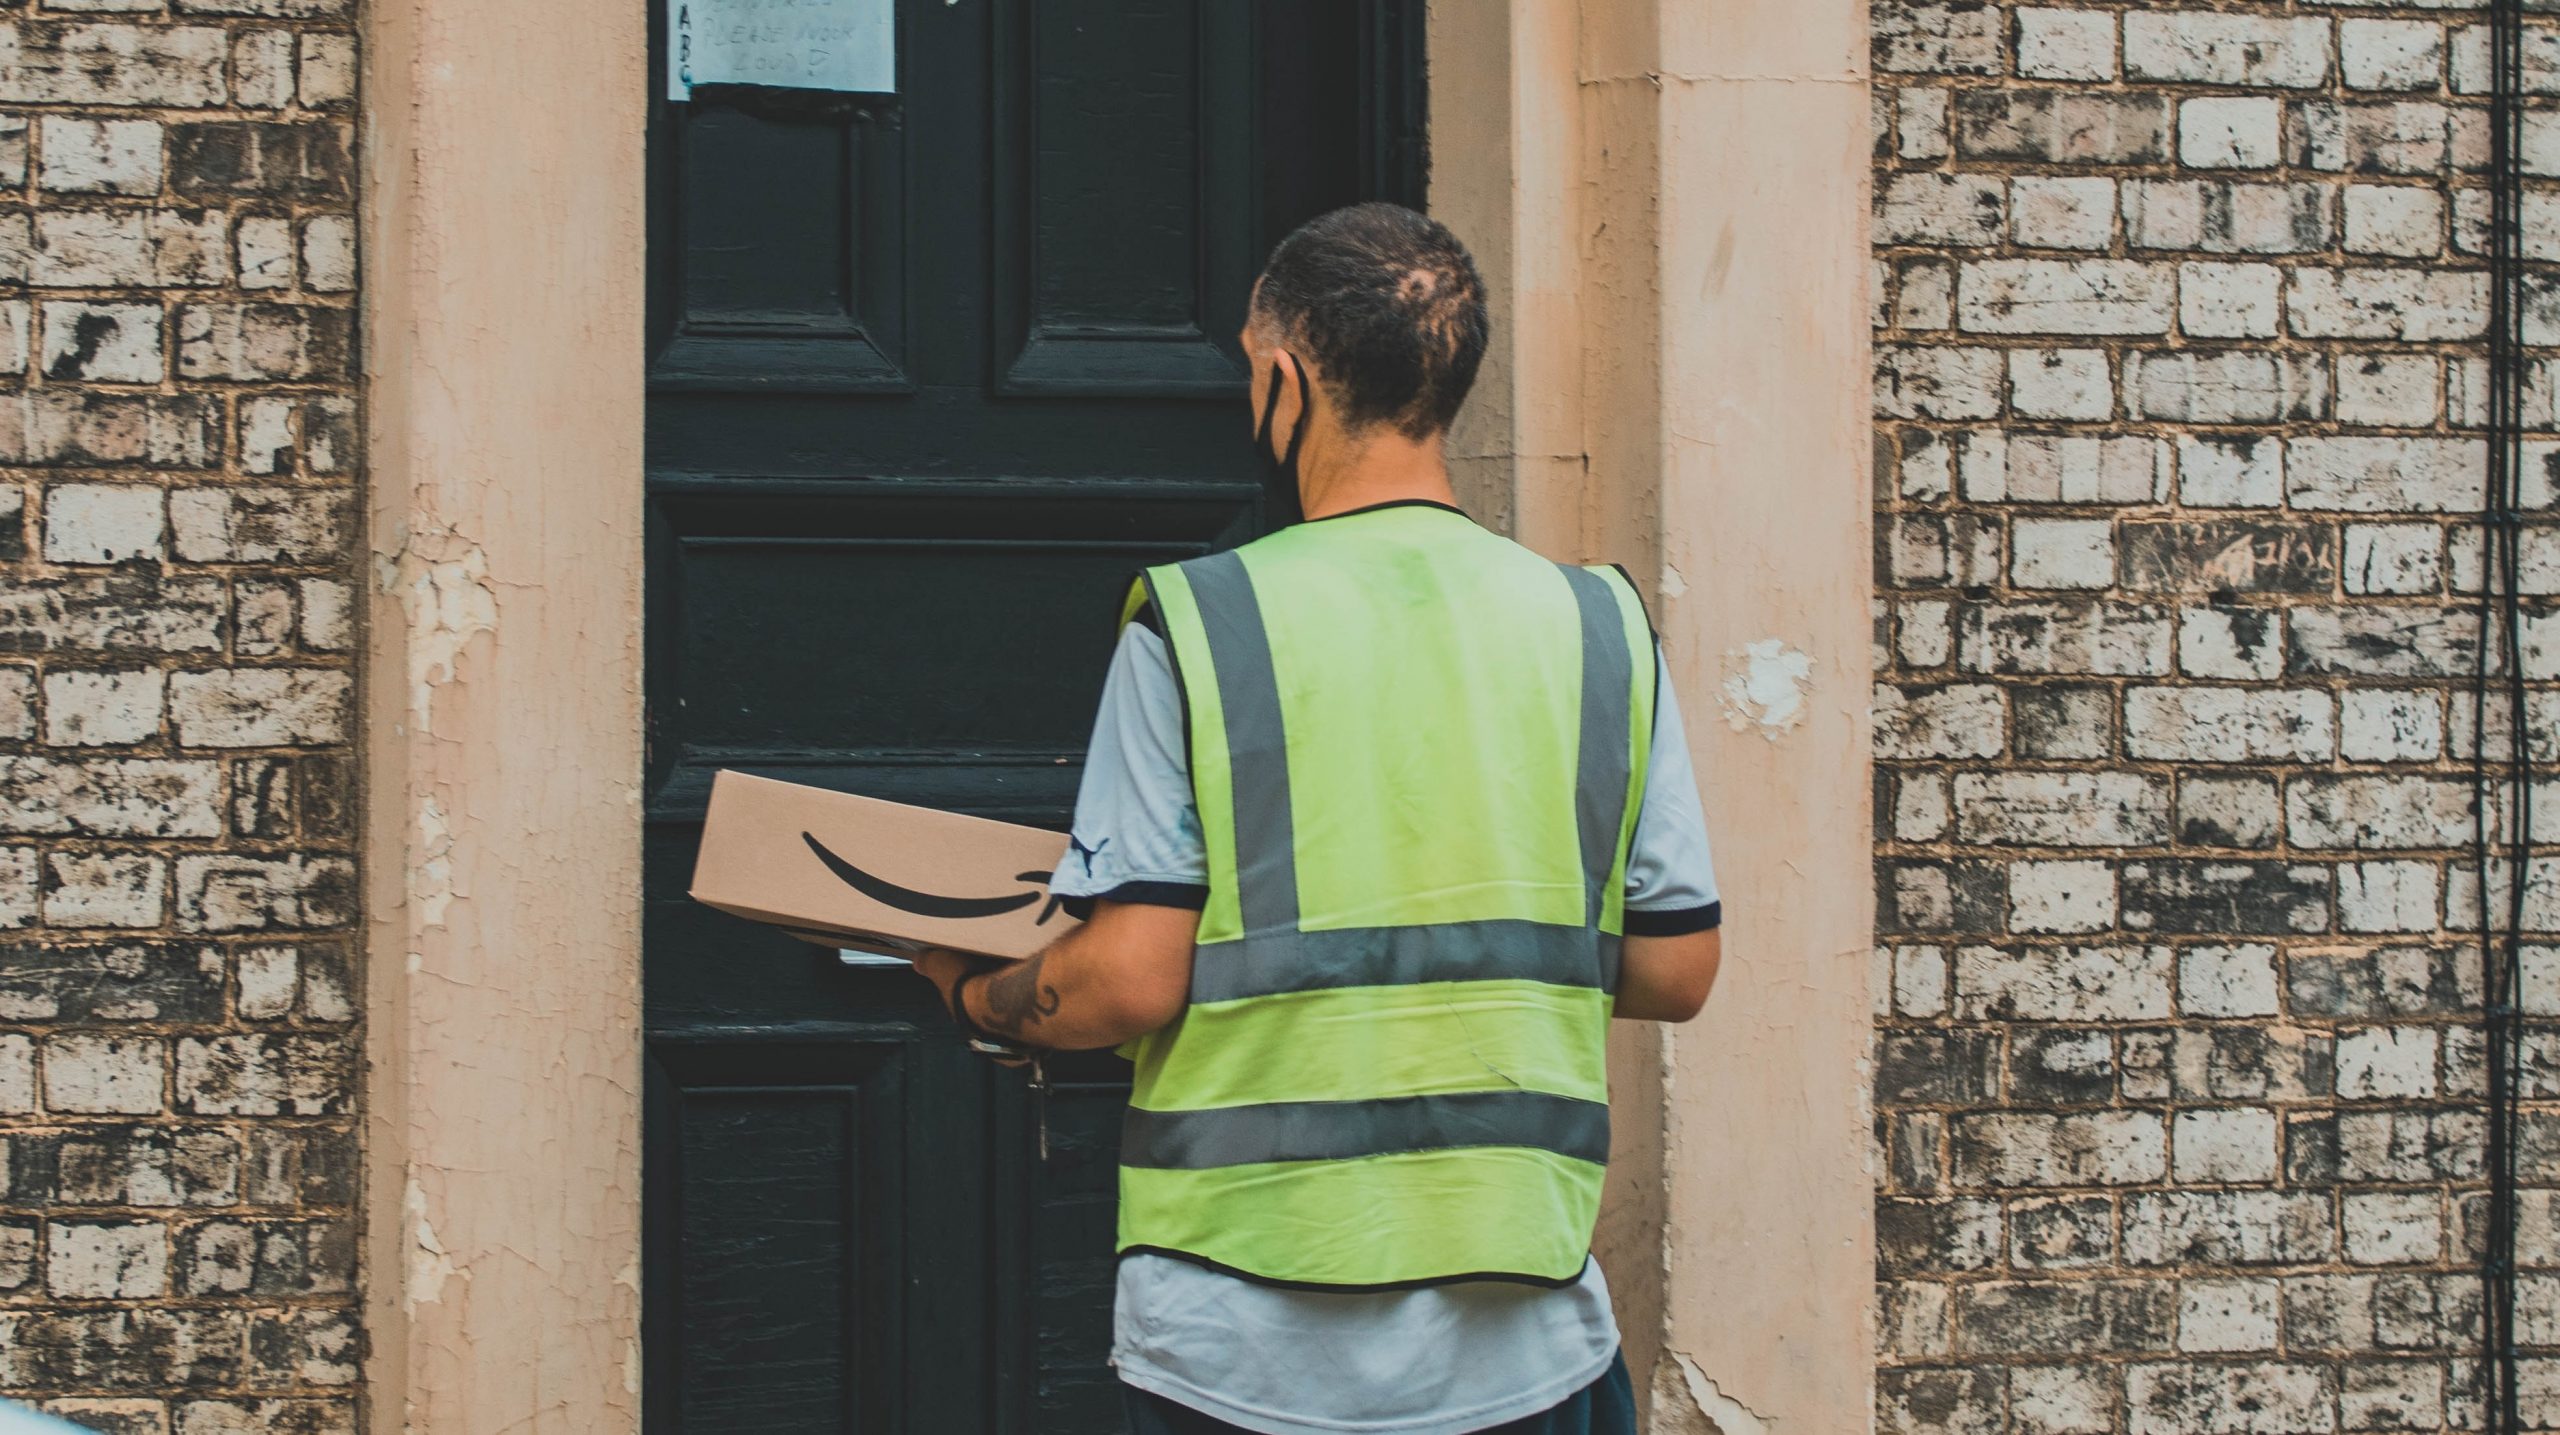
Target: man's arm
x,y
1123,974
1668,978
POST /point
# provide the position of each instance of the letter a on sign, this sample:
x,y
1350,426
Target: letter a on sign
x,y
844,45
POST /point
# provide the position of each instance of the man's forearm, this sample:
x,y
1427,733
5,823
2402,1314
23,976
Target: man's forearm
x,y
1097,986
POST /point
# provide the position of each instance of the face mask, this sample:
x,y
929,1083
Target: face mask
x,y
1280,475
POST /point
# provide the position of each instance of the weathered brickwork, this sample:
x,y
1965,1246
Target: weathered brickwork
x,y
2179,393
178,443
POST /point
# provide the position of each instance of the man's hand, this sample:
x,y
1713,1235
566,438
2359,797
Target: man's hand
x,y
1121,975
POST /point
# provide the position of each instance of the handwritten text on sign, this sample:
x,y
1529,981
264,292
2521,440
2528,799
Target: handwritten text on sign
x,y
803,44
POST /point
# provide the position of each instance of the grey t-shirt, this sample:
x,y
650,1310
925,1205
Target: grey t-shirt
x,y
1436,1361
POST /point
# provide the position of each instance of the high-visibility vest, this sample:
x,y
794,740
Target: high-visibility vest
x,y
1417,751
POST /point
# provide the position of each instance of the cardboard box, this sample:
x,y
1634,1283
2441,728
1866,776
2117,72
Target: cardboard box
x,y
846,871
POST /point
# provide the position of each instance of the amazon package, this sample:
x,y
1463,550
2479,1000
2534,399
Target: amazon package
x,y
846,871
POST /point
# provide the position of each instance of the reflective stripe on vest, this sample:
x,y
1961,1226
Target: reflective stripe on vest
x,y
1387,1091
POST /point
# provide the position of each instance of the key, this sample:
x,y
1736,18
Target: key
x,y
1040,1105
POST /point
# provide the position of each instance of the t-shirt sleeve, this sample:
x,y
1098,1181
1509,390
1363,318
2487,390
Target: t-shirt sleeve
x,y
1671,875
1136,836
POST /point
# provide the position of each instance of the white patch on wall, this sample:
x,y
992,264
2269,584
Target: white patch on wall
x,y
1765,687
844,45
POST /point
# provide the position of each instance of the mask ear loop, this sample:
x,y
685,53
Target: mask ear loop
x,y
1270,412
1306,412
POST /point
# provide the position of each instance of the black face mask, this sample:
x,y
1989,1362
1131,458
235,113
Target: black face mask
x,y
1280,475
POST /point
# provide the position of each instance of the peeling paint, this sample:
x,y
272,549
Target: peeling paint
x,y
1765,687
444,589
1686,1401
429,1266
431,870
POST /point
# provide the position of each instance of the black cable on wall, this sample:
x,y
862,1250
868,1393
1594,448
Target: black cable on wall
x,y
2502,819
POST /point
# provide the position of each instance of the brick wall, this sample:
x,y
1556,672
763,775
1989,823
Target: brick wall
x,y
178,445
2179,312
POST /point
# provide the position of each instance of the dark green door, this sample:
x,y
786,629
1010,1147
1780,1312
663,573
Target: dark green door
x,y
930,376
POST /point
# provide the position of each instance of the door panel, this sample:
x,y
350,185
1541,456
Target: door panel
x,y
931,375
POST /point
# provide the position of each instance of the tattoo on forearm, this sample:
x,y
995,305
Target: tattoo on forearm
x,y
1017,1000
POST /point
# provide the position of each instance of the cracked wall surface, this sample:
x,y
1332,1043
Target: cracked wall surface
x,y
178,458
2179,393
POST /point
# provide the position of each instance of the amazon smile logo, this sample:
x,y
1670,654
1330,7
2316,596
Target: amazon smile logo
x,y
928,904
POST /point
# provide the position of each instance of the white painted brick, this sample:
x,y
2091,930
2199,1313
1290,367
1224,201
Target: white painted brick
x,y
2223,216
2387,896
1926,296
102,1075
2226,49
2101,1148
1925,638
1938,382
103,522
1920,809
105,889
262,69
2235,472
2220,642
121,1260
2387,390
2392,558
2231,132
2067,44
2061,809
2238,386
17,1075
2048,897
1928,207
2108,983
1920,981
266,252
2385,475
2066,296
1959,721
102,708
17,703
259,707
2061,384
2049,213
2410,304
2391,54
2398,811
329,253
328,615
2114,639
2391,1228
1920,122
85,156
2390,725
2062,553
2236,981
103,343
2045,469
2386,1062
327,75
2228,725
18,888
2222,1315
2398,219
2229,301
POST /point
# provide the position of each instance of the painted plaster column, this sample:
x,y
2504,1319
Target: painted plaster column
x,y
1761,261
503,230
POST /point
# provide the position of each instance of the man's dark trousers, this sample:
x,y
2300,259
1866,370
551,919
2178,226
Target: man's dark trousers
x,y
1607,1406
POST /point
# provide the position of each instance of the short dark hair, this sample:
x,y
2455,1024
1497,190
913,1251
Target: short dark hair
x,y
1391,309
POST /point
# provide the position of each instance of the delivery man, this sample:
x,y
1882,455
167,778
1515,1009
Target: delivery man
x,y
1384,819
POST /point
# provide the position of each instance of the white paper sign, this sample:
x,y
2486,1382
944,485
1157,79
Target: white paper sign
x,y
846,45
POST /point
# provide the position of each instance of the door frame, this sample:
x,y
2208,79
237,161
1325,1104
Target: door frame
x,y
1624,158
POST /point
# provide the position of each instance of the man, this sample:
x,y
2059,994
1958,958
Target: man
x,y
1384,818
